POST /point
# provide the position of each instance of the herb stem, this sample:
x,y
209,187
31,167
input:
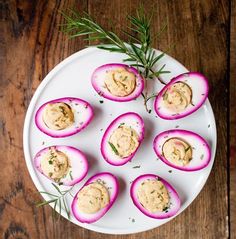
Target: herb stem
x,y
140,55
58,200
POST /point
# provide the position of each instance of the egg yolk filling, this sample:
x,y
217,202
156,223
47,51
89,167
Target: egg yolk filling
x,y
177,151
153,195
55,164
93,198
124,141
177,97
58,116
120,82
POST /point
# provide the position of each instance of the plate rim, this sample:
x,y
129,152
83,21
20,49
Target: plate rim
x,y
32,172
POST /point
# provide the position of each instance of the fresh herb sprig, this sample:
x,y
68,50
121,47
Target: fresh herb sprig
x,y
57,200
138,49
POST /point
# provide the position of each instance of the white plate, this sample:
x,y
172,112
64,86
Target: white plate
x,y
72,78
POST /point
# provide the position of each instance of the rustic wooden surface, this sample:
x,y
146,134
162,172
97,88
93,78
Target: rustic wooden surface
x,y
233,121
31,45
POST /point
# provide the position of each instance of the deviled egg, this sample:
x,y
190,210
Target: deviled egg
x,y
63,117
154,197
182,96
95,198
117,82
182,149
65,165
122,138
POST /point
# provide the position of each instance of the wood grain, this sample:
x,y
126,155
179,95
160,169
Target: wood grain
x,y
31,46
232,111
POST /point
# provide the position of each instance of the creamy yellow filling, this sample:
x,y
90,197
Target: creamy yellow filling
x,y
93,198
120,82
153,195
58,116
124,141
177,97
177,151
55,164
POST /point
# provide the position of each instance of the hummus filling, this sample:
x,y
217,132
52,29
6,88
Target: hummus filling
x,y
153,195
55,164
93,198
177,151
177,97
120,82
124,141
58,116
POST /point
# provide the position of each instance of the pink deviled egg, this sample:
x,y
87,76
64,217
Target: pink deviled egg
x,y
95,198
122,138
62,164
182,96
182,149
63,117
117,82
154,197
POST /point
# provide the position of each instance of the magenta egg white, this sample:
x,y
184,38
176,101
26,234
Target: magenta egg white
x,y
174,204
200,88
129,119
98,79
112,186
83,114
201,153
77,161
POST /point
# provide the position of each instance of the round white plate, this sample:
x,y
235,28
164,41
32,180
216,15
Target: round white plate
x,y
72,78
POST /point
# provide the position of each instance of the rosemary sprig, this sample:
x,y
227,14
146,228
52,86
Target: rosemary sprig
x,y
58,200
139,52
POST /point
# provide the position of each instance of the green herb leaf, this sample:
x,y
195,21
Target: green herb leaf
x,y
138,166
121,124
165,209
50,194
71,177
187,149
113,148
45,202
66,209
57,200
57,188
54,209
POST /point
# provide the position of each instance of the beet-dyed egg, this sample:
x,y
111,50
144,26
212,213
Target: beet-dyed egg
x,y
63,117
122,138
65,165
182,149
95,198
184,95
154,197
117,82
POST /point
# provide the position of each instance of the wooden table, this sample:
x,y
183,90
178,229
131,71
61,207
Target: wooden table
x,y
203,32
